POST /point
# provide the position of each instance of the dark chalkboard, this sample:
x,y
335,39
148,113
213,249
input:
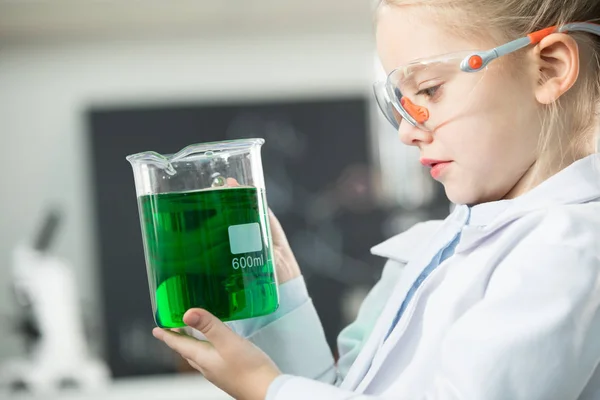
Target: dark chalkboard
x,y
319,184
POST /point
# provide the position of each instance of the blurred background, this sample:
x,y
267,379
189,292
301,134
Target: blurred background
x,y
84,83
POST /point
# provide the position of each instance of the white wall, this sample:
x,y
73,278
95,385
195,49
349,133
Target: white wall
x,y
45,88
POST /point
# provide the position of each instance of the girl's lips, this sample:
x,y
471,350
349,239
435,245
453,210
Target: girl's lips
x,y
430,162
439,168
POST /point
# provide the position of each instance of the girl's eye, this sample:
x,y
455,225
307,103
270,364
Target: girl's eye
x,y
429,92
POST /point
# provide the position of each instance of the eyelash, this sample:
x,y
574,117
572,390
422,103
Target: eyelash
x,y
424,92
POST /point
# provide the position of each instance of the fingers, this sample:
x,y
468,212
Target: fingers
x,y
194,365
276,229
215,331
232,182
188,347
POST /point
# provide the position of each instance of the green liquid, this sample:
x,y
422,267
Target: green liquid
x,y
189,257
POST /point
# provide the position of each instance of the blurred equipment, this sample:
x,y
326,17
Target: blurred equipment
x,y
51,321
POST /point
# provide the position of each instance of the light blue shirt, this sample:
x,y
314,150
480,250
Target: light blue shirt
x,y
439,258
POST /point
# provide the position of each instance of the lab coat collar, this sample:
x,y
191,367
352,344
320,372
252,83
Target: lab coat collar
x,y
405,246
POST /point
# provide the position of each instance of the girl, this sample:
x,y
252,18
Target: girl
x,y
502,299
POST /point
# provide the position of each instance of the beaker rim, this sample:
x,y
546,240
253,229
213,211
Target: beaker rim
x,y
197,149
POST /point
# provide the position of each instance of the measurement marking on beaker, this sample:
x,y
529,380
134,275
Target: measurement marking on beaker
x,y
247,262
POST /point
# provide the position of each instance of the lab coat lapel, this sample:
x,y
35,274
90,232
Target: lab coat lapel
x,y
413,270
363,362
400,249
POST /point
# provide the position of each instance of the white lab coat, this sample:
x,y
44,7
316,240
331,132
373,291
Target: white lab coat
x,y
514,314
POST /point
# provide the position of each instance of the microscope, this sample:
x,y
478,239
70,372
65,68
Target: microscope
x,y
51,322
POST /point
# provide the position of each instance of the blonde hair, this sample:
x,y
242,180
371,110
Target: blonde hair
x,y
577,111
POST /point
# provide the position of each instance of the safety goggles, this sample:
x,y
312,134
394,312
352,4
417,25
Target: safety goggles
x,y
428,92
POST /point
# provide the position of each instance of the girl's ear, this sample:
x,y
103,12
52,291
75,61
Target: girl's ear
x,y
556,59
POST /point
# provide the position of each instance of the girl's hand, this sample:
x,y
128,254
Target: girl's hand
x,y
285,262
227,360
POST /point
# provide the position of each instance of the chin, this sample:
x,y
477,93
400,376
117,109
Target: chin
x,y
462,195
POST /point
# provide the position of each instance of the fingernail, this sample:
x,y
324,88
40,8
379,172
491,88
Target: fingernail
x,y
192,319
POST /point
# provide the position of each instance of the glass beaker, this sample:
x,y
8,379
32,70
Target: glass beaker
x,y
205,230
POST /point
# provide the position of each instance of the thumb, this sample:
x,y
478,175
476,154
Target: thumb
x,y
215,331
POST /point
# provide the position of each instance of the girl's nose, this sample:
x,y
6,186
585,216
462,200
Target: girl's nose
x,y
413,136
